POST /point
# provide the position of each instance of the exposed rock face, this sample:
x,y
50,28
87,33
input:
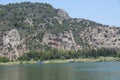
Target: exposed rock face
x,y
102,36
11,38
1,42
37,21
29,21
63,40
63,14
9,42
60,20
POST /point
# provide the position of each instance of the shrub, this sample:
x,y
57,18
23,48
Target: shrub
x,y
4,59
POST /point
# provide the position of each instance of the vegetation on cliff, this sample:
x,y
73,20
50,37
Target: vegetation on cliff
x,y
32,20
43,32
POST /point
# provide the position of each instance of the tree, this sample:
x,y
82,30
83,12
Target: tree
x,y
4,59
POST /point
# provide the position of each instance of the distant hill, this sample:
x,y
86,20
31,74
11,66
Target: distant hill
x,y
34,26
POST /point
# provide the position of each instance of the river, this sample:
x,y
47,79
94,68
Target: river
x,y
66,71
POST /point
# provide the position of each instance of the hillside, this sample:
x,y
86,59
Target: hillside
x,y
38,26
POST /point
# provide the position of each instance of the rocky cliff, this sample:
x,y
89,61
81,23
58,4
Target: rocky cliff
x,y
63,40
11,45
34,26
102,36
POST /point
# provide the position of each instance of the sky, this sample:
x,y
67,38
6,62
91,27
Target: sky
x,y
101,11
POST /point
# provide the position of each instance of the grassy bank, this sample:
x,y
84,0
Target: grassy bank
x,y
100,59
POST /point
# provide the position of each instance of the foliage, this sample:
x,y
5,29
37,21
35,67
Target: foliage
x,y
61,54
37,18
33,20
4,59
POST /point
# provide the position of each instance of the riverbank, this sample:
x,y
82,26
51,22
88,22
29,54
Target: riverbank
x,y
100,59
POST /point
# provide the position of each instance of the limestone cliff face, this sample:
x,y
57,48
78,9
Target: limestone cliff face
x,y
12,45
63,40
10,42
11,38
102,36
62,14
1,43
34,26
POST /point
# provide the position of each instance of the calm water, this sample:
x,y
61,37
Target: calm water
x,y
68,71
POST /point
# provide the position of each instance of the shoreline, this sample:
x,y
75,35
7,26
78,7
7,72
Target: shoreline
x,y
100,59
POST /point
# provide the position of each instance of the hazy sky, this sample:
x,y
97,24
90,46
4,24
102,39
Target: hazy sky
x,y
102,11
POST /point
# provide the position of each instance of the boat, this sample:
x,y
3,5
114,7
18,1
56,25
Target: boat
x,y
40,62
71,61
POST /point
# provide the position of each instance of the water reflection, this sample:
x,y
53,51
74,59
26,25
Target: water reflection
x,y
75,71
37,72
10,73
98,71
